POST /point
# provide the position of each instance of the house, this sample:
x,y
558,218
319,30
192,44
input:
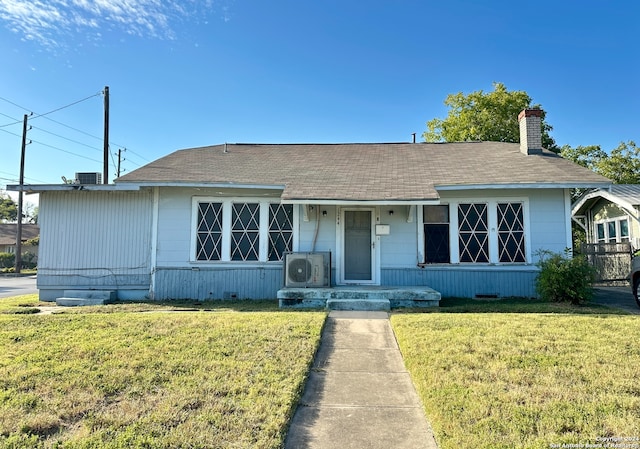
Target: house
x,y
610,215
610,220
8,237
466,219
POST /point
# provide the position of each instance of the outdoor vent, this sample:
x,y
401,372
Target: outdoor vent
x,y
89,178
307,270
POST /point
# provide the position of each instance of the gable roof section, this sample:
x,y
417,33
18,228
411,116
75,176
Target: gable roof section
x,y
627,196
8,232
365,172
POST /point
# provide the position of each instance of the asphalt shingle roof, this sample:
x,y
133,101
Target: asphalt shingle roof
x,y
8,232
367,172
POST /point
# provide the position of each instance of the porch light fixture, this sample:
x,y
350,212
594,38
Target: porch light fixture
x,y
324,213
391,212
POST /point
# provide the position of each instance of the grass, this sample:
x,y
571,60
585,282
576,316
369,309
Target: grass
x,y
516,305
24,304
514,373
491,374
226,378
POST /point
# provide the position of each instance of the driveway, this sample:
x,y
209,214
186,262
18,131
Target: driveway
x,y
11,285
618,297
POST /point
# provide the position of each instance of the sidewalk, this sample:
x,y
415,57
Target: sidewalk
x,y
359,394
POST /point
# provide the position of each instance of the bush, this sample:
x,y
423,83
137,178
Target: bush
x,y
564,278
7,260
28,260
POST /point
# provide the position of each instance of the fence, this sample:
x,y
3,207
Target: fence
x,y
612,261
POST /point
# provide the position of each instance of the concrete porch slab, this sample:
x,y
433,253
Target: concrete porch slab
x,y
75,298
358,297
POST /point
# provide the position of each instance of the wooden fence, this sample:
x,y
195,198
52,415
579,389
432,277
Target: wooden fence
x,y
612,261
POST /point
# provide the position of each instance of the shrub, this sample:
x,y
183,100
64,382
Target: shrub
x,y
7,260
564,278
28,260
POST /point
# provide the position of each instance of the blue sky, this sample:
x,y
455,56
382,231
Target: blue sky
x,y
186,73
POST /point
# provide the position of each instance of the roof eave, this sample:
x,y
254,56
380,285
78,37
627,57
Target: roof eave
x,y
38,188
362,202
531,185
215,185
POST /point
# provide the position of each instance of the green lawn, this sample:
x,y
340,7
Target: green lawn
x,y
202,379
547,375
491,374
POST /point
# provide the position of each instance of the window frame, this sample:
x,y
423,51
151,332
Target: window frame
x,y
617,223
427,224
227,241
492,209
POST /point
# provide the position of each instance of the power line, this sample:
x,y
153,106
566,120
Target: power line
x,y
66,138
67,106
66,126
12,118
64,151
9,132
17,177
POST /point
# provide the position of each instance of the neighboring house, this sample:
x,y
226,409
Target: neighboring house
x,y
466,219
610,215
8,237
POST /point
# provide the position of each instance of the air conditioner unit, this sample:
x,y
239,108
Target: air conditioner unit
x,y
307,270
89,178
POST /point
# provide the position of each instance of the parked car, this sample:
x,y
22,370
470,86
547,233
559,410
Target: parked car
x,y
634,277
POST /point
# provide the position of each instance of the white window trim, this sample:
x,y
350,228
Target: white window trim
x,y
605,223
492,210
226,229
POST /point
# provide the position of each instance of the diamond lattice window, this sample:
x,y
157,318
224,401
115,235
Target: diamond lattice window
x,y
245,231
511,232
473,231
209,240
280,230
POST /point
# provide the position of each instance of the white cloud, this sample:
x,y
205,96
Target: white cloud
x,y
48,22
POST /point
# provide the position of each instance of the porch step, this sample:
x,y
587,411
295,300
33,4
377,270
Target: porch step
x,y
358,297
74,298
358,304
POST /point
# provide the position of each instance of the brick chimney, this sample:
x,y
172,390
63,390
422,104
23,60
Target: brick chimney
x,y
530,121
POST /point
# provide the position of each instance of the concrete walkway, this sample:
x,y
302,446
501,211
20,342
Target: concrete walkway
x,y
359,394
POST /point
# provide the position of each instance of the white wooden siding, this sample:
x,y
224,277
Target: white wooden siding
x,y
400,248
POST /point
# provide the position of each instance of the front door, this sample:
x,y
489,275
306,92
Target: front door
x,y
358,250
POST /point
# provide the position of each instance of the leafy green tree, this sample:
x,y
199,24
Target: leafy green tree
x,y
488,116
588,156
8,209
622,165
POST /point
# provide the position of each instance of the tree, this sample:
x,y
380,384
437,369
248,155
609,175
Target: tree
x,y
621,165
588,156
8,209
488,116
30,213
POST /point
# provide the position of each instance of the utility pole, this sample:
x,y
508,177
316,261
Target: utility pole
x,y
20,193
120,159
105,164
